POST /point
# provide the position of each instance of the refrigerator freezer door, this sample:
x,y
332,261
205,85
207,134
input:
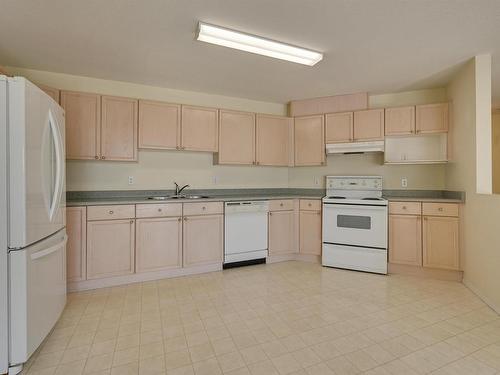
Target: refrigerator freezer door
x,y
36,164
37,280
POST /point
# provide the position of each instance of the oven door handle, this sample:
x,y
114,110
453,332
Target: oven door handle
x,y
354,207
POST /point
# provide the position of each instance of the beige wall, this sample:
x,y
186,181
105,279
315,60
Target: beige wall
x,y
418,176
158,169
495,135
481,255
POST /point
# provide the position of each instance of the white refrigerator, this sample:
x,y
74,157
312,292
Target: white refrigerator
x,y
32,219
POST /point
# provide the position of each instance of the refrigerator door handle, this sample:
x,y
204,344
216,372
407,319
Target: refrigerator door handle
x,y
50,250
54,205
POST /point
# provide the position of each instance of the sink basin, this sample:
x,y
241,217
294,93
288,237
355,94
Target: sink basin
x,y
164,198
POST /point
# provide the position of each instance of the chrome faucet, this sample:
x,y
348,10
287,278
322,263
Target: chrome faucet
x,y
178,190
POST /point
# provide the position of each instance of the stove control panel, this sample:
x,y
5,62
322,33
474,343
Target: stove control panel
x,y
354,182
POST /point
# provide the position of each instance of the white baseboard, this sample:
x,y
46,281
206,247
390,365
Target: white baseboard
x,y
478,293
141,277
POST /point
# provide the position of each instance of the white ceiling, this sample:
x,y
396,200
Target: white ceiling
x,y
369,45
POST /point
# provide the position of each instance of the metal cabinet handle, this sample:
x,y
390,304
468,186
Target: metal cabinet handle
x,y
159,210
131,221
111,212
440,209
203,208
309,204
179,219
103,157
185,219
270,213
404,207
96,157
281,204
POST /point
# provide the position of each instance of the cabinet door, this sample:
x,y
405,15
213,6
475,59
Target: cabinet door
x,y
236,137
310,232
441,242
405,239
400,120
369,125
52,92
110,248
202,237
273,140
158,244
119,129
76,248
309,140
199,129
281,232
432,118
83,124
159,125
339,127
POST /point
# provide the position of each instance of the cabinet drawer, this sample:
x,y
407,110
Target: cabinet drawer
x,y
207,208
405,208
281,205
110,212
158,210
440,209
310,205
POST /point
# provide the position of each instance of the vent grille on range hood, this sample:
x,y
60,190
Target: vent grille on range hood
x,y
355,147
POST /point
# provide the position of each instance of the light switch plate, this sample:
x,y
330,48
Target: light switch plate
x,y
130,180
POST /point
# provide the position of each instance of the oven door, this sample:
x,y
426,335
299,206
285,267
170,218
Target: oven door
x,y
355,225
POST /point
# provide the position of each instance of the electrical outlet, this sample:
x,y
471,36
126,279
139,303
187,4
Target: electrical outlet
x,y
214,180
130,180
316,181
404,182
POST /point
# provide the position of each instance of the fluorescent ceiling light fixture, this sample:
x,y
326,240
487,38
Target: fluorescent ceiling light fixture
x,y
255,44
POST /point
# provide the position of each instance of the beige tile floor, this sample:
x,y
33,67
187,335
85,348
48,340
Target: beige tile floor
x,y
288,318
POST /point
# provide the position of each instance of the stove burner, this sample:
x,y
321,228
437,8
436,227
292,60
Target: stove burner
x,y
336,197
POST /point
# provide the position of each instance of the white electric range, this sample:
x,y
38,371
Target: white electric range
x,y
355,224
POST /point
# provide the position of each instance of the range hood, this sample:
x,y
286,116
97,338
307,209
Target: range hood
x,y
355,147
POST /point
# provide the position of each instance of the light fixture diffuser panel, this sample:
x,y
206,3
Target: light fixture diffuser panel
x,y
255,44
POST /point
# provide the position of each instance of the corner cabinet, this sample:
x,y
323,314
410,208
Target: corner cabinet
x,y
441,242
309,134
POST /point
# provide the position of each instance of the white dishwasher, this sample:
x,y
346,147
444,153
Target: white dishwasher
x,y
245,232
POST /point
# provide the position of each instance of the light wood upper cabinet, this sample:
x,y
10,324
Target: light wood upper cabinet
x,y
310,232
339,127
309,140
282,232
236,137
432,118
52,92
158,244
83,124
274,142
76,248
203,239
159,125
119,129
110,248
441,242
400,120
199,129
405,239
369,125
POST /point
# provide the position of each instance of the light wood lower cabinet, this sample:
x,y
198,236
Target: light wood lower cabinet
x,y
282,232
110,248
441,242
310,232
405,239
76,248
158,244
203,239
